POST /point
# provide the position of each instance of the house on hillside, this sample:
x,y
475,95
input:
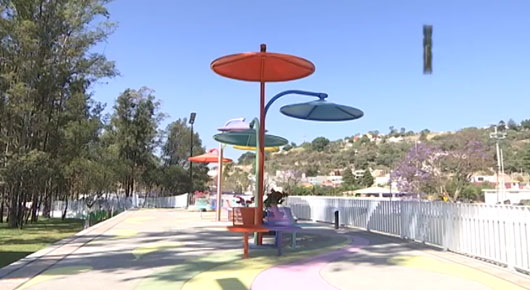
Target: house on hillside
x,y
382,192
511,196
323,180
509,181
395,139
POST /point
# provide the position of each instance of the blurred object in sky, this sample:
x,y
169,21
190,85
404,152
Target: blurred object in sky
x,y
427,49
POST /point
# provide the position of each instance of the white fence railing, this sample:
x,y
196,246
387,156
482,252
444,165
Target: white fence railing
x,y
79,209
498,233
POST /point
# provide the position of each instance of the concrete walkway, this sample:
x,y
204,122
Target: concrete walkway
x,y
175,249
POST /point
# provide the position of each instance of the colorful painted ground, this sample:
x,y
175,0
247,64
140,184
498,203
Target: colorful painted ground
x,y
171,249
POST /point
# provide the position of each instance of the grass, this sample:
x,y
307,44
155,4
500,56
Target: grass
x,y
18,243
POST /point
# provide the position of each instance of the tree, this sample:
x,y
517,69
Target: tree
x,y
46,66
311,170
287,147
235,179
175,153
134,125
367,179
176,149
392,131
512,125
423,135
501,126
289,180
418,171
247,158
347,177
469,154
526,158
319,144
525,124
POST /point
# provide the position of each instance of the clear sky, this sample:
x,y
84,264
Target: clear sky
x,y
368,54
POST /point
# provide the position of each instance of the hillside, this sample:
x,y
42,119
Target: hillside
x,y
385,153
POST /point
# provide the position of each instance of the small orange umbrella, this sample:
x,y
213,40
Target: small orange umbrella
x,y
211,157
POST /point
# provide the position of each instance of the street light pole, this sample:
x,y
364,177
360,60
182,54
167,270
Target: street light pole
x,y
500,163
191,121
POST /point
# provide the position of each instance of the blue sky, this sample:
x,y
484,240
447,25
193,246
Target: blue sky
x,y
368,54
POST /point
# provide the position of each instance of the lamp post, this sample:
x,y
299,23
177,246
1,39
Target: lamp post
x,y
191,121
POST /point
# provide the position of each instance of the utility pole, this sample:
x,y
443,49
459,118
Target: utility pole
x,y
191,121
500,163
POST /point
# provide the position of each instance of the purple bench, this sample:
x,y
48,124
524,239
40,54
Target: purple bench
x,y
281,220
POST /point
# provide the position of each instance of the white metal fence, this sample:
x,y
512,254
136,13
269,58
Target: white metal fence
x,y
79,209
498,233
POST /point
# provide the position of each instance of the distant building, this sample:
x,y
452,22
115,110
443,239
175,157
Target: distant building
x,y
382,192
514,196
395,139
509,182
323,180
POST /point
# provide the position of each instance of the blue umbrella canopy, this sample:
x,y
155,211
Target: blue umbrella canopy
x,y
321,110
248,138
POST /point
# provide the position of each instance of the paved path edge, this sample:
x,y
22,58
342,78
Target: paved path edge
x,y
105,225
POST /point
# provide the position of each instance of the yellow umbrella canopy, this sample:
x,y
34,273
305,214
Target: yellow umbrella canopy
x,y
251,148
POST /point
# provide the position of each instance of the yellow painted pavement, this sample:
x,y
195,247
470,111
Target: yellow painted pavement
x,y
453,269
54,274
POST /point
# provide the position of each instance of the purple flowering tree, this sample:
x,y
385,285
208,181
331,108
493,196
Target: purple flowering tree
x,y
427,168
419,171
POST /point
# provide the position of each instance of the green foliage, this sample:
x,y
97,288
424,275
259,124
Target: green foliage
x,y
470,192
54,142
367,179
348,178
525,124
134,128
47,118
18,243
287,147
235,179
322,190
176,149
311,170
512,125
247,158
98,216
525,158
319,144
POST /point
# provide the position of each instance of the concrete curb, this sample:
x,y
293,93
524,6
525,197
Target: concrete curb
x,y
11,276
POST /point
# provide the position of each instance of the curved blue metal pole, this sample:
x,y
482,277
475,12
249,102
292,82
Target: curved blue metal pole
x,y
297,92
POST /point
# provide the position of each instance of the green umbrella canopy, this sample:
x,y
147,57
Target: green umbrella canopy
x,y
248,138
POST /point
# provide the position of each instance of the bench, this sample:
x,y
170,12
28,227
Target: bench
x,y
203,204
281,220
243,220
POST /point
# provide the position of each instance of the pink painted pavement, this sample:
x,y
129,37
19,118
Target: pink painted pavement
x,y
304,274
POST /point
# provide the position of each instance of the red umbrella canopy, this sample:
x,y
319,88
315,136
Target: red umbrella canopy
x,y
263,66
211,157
